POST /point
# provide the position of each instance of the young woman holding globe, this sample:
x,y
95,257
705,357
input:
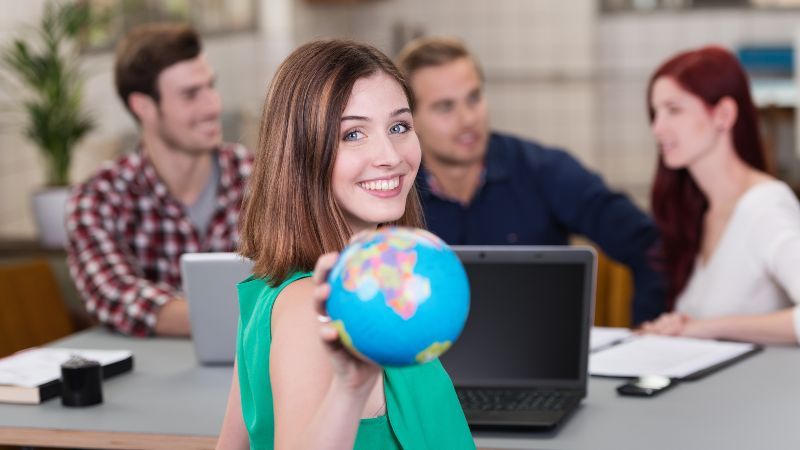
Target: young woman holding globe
x,y
337,156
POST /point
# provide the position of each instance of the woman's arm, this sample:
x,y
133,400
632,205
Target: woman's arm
x,y
775,242
233,435
770,328
319,390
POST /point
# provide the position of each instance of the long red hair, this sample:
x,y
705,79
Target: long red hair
x,y
710,73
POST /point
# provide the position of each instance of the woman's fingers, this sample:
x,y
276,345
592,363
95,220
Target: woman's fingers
x,y
652,327
355,372
677,323
343,361
330,335
670,324
321,294
321,288
323,266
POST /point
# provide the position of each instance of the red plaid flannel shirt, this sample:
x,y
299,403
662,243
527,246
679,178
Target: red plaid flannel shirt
x,y
127,233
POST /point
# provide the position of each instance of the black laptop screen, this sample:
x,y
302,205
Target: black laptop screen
x,y
525,324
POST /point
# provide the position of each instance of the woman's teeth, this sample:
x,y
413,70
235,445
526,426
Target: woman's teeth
x,y
381,185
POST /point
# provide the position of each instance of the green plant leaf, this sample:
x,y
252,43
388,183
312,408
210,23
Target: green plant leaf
x,y
46,64
74,17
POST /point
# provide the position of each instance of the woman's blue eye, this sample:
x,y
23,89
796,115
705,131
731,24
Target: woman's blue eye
x,y
352,136
398,128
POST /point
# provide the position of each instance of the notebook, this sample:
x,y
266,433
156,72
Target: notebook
x,y
209,283
34,375
521,361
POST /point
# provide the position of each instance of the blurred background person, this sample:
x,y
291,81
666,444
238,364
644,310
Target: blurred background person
x,y
180,192
730,230
481,187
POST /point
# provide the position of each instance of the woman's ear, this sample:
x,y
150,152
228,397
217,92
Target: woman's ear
x,y
724,114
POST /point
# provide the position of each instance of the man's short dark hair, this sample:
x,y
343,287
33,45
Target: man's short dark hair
x,y
146,51
430,52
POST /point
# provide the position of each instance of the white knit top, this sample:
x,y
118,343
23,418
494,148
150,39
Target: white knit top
x,y
755,268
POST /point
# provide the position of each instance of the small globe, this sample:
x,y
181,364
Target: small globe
x,y
399,297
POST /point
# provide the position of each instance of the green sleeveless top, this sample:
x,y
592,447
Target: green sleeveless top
x,y
422,410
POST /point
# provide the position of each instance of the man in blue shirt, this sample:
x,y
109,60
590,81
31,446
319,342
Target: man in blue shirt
x,y
484,188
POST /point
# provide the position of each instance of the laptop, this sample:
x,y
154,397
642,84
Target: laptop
x,y
209,283
521,361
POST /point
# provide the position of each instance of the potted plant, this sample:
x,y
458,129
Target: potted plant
x,y
45,67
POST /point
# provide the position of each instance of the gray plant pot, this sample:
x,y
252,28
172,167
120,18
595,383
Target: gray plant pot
x,y
49,206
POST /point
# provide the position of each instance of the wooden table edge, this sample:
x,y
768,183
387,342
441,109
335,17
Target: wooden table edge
x,y
103,439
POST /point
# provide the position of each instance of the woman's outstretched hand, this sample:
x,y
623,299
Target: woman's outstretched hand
x,y
352,372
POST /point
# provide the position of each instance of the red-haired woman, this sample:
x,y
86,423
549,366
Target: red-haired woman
x,y
731,232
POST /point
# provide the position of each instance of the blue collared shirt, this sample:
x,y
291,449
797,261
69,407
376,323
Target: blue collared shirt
x,y
533,195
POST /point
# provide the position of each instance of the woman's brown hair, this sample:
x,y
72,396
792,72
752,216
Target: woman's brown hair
x,y
290,216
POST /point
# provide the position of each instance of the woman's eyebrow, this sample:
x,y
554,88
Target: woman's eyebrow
x,y
401,111
396,112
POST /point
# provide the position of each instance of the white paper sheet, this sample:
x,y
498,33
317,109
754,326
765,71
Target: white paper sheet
x,y
36,366
604,336
673,357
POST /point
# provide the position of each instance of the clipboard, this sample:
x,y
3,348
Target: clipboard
x,y
709,370
678,358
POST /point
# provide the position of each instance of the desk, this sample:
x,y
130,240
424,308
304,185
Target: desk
x,y
753,404
168,402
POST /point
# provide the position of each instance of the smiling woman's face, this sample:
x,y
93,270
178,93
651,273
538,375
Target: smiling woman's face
x,y
378,154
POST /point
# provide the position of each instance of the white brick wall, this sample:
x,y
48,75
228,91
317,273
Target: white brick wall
x,y
632,45
538,56
241,70
556,71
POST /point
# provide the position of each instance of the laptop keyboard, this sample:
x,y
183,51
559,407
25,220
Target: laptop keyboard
x,y
513,400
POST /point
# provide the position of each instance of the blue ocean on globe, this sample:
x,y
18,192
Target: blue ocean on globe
x,y
399,296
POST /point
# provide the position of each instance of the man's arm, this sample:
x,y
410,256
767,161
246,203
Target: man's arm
x,y
172,319
106,274
585,205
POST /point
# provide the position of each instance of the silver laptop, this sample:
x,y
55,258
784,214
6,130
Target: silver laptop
x,y
209,283
521,361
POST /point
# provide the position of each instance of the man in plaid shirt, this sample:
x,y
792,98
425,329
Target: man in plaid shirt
x,y
180,192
